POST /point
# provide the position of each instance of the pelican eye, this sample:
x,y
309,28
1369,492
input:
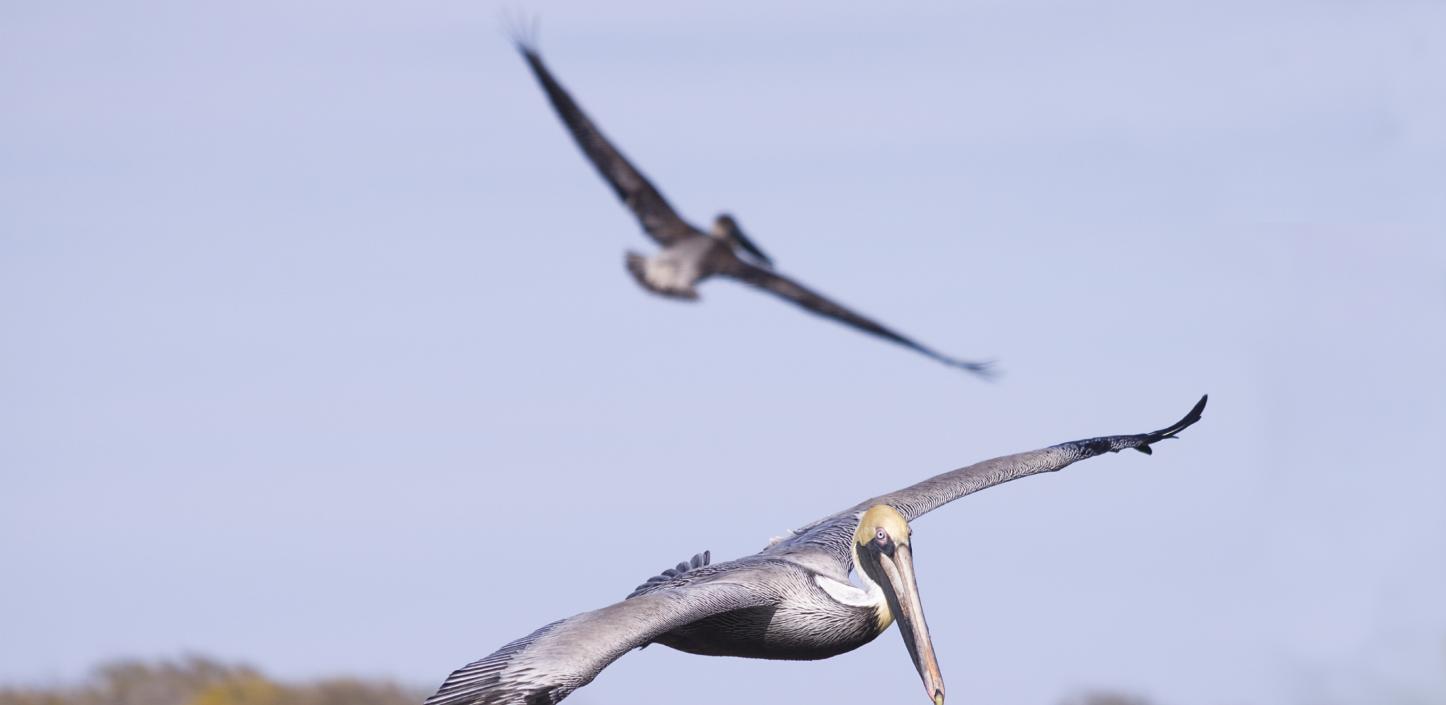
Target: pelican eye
x,y
881,537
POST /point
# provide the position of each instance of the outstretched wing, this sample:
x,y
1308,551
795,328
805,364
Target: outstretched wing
x,y
548,664
658,218
918,499
801,295
830,536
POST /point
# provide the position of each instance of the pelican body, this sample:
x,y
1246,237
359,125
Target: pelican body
x,y
690,255
792,600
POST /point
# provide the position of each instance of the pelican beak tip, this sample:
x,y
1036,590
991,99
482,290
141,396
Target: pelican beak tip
x,y
938,697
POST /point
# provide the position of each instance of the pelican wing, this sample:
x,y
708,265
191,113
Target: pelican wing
x,y
789,290
657,217
916,500
830,536
548,664
699,560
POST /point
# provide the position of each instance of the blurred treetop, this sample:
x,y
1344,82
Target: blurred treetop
x,y
201,681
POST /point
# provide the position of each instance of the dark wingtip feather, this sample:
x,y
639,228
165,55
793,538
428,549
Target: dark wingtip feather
x,y
1195,415
1172,431
521,29
985,370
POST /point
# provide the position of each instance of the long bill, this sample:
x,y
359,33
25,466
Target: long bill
x,y
902,592
748,245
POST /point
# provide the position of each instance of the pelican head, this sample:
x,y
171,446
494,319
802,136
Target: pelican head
x,y
726,229
882,552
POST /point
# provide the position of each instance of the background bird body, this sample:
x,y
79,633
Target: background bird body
x,y
675,269
690,255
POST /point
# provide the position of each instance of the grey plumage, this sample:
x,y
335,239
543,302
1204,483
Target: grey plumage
x,y
547,665
829,536
690,255
792,600
697,561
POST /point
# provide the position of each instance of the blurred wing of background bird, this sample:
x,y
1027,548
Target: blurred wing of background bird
x,y
792,291
657,217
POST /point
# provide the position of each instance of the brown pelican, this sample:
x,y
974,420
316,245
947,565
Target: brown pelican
x,y
690,255
792,600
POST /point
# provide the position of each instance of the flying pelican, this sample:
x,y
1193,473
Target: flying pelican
x,y
793,600
690,255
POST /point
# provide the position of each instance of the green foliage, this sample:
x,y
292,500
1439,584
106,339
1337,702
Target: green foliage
x,y
201,681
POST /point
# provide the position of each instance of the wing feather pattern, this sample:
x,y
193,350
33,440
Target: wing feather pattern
x,y
545,666
828,538
698,560
918,499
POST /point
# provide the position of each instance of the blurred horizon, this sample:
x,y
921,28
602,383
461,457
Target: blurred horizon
x,y
194,679
317,351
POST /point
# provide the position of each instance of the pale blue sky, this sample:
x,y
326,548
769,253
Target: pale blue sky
x,y
317,351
